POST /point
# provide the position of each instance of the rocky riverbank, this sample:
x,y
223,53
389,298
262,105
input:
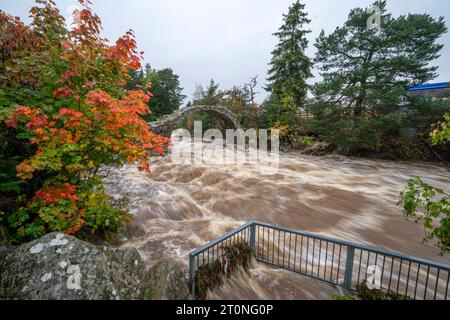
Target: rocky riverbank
x,y
58,266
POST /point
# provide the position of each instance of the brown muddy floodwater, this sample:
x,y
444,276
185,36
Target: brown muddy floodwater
x,y
182,207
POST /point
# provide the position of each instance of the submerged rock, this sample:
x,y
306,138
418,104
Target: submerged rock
x,y
58,266
319,148
166,281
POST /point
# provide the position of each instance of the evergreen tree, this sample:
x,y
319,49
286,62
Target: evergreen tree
x,y
167,93
290,67
362,101
165,87
208,97
211,96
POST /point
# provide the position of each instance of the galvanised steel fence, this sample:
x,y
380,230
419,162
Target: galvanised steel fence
x,y
337,262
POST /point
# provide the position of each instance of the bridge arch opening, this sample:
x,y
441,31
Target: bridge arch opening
x,y
166,125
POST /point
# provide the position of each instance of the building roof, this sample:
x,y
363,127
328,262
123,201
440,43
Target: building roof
x,y
430,86
437,90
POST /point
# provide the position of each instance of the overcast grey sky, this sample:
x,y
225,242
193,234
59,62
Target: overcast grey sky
x,y
228,40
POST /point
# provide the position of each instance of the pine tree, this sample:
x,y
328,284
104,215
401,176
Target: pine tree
x,y
290,67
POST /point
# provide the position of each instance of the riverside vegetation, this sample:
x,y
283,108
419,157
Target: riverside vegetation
x,y
73,105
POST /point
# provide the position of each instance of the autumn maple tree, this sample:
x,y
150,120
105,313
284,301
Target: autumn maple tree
x,y
64,99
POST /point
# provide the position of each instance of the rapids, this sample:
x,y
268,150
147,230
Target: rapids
x,y
182,207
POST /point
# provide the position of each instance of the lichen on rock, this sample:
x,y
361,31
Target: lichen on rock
x,y
58,266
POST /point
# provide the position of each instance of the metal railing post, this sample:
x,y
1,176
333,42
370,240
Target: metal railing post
x,y
253,238
192,273
349,268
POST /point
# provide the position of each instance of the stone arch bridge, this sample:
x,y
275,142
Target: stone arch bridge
x,y
169,123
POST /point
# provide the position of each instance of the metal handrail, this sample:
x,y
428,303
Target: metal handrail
x,y
220,239
348,260
385,252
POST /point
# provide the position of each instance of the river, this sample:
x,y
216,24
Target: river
x,y
181,207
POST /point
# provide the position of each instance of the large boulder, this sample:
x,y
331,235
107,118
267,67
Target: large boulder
x,y
58,266
319,148
166,281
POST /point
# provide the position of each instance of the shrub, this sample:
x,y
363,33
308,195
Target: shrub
x,y
209,276
305,141
364,293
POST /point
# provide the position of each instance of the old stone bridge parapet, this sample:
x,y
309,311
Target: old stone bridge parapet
x,y
167,124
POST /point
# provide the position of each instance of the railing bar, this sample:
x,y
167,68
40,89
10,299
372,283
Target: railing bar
x,y
279,247
198,261
390,276
266,248
295,250
289,253
426,283
307,254
320,256
408,278
301,254
326,261
247,238
203,258
367,263
399,276
332,263
339,263
284,248
268,245
437,282
313,255
446,287
382,271
273,247
359,266
417,281
262,243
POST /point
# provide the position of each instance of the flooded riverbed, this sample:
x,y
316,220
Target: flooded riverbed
x,y
181,207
